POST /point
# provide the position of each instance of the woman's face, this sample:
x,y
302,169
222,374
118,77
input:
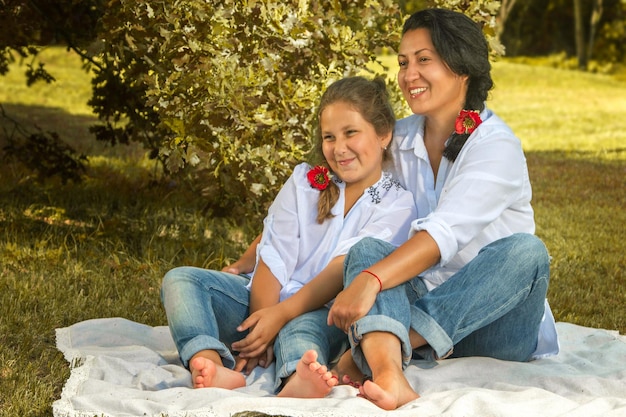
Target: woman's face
x,y
428,85
351,146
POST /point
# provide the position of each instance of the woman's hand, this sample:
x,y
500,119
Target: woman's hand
x,y
409,260
353,302
265,325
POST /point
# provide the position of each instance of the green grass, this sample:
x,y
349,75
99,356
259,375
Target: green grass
x,y
99,249
559,110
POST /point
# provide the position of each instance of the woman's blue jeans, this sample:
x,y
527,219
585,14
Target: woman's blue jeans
x,y
204,308
491,307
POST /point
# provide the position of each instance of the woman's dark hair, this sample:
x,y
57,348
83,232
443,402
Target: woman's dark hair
x,y
371,99
461,44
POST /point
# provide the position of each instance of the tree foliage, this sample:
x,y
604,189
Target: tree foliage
x,y
226,90
537,27
233,85
25,26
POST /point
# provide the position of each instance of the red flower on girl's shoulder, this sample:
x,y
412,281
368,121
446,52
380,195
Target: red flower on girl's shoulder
x,y
318,177
467,121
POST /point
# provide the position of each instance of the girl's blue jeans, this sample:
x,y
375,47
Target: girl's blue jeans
x,y
204,308
492,307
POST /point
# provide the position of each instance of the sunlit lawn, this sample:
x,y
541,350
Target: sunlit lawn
x,y
99,249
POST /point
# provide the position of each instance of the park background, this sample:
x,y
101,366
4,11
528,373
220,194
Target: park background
x,y
92,217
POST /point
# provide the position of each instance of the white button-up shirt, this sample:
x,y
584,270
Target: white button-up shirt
x,y
296,248
482,197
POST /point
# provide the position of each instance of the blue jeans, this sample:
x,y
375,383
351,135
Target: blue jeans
x,y
491,307
204,308
194,299
308,331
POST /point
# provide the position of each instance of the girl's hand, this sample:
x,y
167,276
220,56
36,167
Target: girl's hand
x,y
247,365
267,357
353,302
265,325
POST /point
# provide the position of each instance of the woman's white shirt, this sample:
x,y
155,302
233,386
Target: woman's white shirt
x,y
482,197
296,248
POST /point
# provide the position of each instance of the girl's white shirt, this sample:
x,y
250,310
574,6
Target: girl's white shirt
x,y
296,248
483,196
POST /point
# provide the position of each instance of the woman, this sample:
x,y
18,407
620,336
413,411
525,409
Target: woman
x,y
474,274
309,228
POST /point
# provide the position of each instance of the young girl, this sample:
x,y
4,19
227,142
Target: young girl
x,y
317,216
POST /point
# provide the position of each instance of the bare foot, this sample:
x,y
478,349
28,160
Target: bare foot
x,y
205,373
347,370
311,379
388,392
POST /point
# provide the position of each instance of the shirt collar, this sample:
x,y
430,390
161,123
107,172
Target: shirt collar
x,y
409,135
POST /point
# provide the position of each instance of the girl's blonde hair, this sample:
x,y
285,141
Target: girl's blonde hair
x,y
371,99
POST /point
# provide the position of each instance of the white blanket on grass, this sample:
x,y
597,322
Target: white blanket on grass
x,y
124,368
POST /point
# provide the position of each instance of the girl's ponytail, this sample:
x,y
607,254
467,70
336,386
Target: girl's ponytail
x,y
327,200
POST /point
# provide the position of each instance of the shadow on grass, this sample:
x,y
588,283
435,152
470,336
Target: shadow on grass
x,y
579,201
585,178
73,129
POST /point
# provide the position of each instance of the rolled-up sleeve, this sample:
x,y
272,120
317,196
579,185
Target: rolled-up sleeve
x,y
487,179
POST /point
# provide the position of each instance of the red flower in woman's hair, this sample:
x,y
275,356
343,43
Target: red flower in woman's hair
x,y
467,121
318,177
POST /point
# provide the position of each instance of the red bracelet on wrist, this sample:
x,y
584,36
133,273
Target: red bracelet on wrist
x,y
380,283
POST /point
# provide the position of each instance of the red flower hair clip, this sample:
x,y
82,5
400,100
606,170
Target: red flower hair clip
x,y
467,121
318,177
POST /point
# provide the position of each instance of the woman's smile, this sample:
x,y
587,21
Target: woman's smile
x,y
417,91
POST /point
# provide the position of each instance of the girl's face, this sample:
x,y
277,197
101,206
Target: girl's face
x,y
351,146
428,85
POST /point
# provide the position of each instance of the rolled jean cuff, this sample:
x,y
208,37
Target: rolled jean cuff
x,y
202,342
430,330
283,373
378,323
